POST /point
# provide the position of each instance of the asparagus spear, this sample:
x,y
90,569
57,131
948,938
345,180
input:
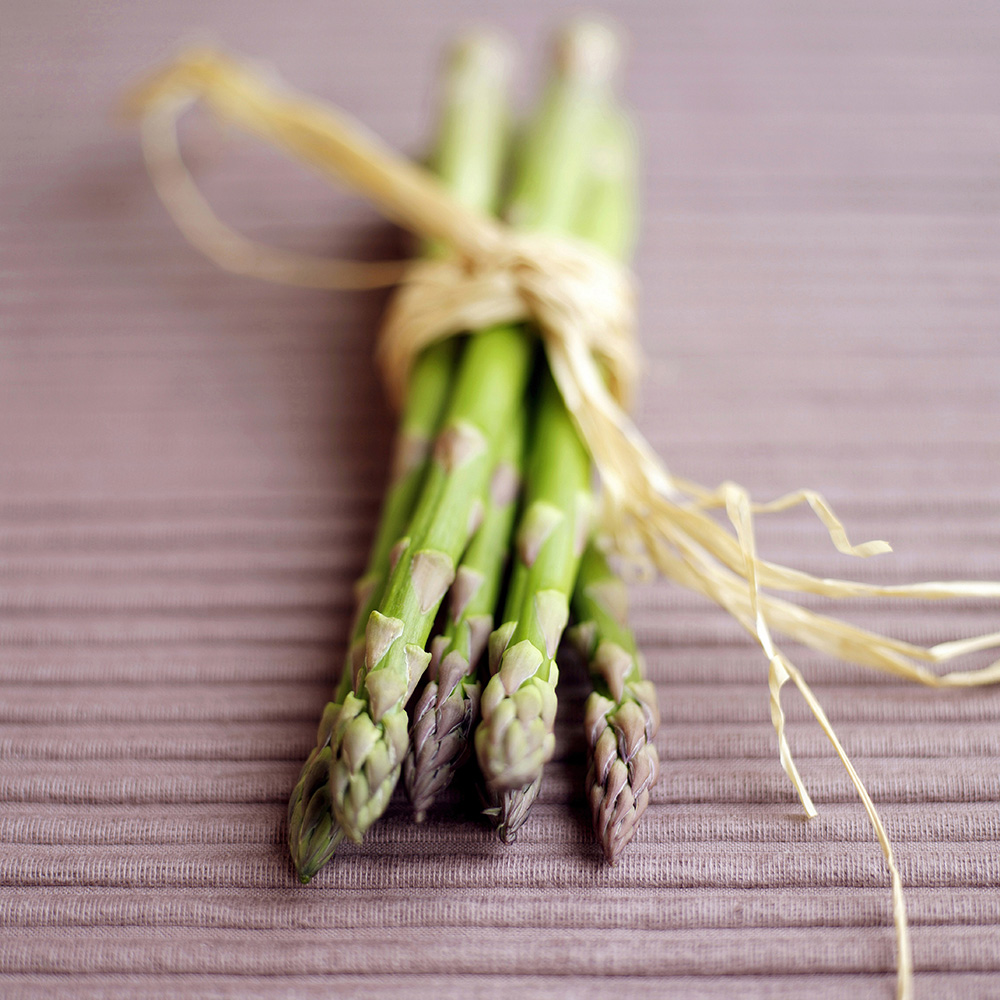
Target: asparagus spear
x,y
621,715
515,739
368,734
423,410
312,833
518,705
448,706
468,157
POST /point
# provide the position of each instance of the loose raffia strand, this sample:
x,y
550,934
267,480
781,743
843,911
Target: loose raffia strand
x,y
582,305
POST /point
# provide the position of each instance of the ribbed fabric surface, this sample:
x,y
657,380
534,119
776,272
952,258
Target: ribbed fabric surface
x,y
191,466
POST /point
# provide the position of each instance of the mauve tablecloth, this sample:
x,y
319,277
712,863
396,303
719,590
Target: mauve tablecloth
x,y
191,467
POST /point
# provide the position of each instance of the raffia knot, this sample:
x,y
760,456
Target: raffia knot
x,y
569,290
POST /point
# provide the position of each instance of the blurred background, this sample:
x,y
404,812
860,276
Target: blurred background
x,y
191,465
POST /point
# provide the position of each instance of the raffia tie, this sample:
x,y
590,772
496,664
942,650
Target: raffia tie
x,y
582,305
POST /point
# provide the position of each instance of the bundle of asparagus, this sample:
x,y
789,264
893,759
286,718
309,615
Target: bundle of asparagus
x,y
483,414
481,417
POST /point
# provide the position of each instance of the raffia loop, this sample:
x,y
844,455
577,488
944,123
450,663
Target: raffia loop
x,y
319,135
228,248
577,298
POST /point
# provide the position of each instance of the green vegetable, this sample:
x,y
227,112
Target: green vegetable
x,y
313,834
368,734
621,715
469,156
448,706
515,739
446,524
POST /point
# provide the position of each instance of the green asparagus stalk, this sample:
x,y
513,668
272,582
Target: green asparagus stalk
x,y
427,398
621,715
442,719
515,739
312,833
468,157
518,705
368,735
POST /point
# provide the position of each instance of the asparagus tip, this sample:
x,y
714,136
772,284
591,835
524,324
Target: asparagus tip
x,y
312,850
511,809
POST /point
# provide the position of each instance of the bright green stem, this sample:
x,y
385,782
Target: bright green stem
x,y
600,606
469,159
488,551
554,155
369,737
421,417
448,706
609,209
477,127
515,738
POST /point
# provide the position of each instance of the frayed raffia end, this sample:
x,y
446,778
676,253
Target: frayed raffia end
x,y
581,303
